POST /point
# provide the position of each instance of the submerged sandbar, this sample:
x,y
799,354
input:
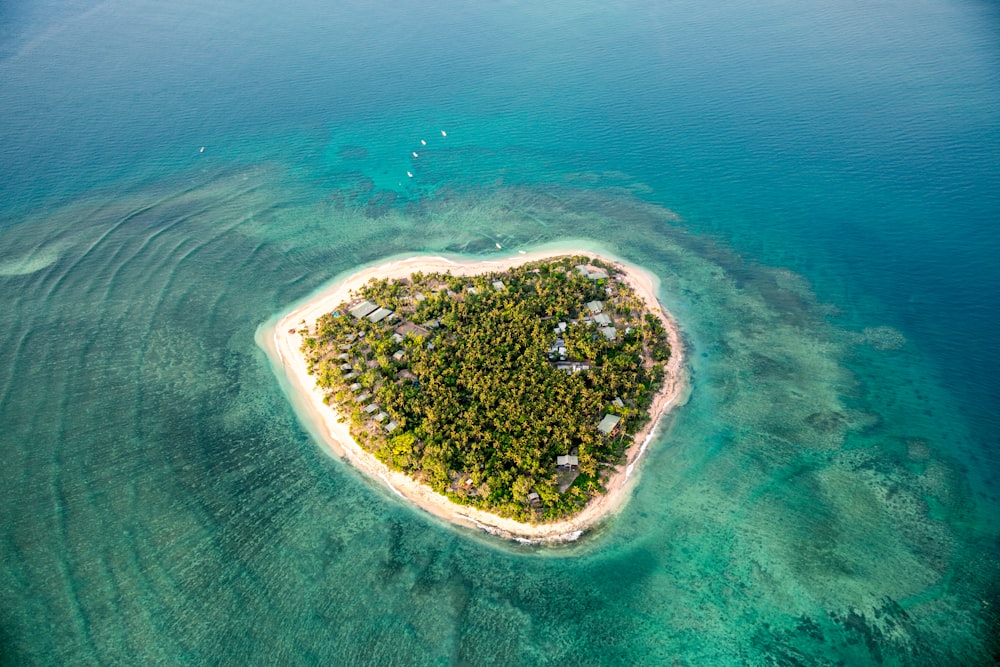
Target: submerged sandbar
x,y
334,427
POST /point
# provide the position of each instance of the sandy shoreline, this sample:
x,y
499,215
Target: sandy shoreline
x,y
282,342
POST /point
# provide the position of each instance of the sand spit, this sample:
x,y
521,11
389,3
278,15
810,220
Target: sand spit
x,y
283,343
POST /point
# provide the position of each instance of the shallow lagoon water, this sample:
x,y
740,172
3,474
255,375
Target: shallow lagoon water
x,y
826,494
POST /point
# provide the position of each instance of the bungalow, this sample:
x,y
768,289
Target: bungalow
x,y
609,332
609,424
603,319
355,387
363,309
595,306
346,367
361,398
499,286
372,408
391,426
398,355
534,498
381,417
568,461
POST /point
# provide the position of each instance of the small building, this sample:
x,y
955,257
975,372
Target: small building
x,y
499,286
372,408
397,338
471,290
595,306
398,355
598,274
361,398
381,417
609,332
419,296
567,461
379,315
355,387
363,308
603,319
411,329
346,367
572,366
351,375
609,424
391,426
343,356
534,498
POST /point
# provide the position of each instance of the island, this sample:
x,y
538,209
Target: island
x,y
515,395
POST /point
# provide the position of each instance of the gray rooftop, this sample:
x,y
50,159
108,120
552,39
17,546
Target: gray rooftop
x,y
595,306
609,332
363,308
608,424
379,314
603,319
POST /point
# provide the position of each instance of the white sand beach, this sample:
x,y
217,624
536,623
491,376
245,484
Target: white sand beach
x,y
290,360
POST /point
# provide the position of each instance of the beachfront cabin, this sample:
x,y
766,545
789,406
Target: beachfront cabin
x,y
609,424
398,355
419,296
568,461
379,315
351,375
591,272
609,332
346,368
381,417
363,308
534,499
355,387
499,286
471,290
391,426
371,408
603,319
361,398
343,356
595,306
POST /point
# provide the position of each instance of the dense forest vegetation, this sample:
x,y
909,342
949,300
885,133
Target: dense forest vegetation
x,y
477,385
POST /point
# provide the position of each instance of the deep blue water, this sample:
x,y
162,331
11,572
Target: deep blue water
x,y
834,170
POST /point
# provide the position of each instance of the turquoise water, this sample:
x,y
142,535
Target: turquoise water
x,y
816,187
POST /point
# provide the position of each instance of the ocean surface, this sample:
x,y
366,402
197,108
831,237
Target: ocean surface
x,y
815,184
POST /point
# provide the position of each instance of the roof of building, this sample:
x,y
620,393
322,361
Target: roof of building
x,y
595,306
407,328
608,424
372,408
568,460
603,319
379,314
391,426
499,286
609,332
363,308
